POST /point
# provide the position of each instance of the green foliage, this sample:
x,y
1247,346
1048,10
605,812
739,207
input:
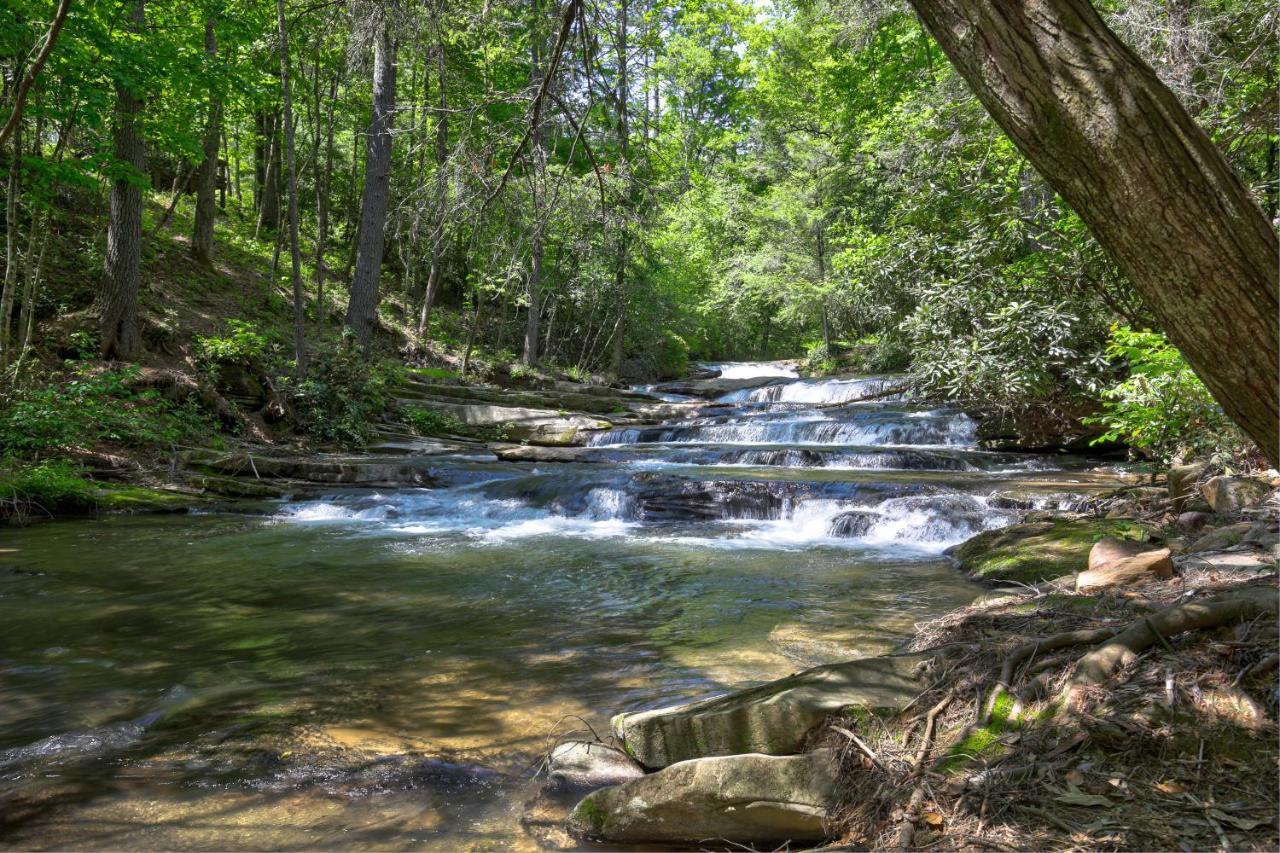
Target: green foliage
x,y
243,344
342,394
89,407
430,422
1161,408
46,485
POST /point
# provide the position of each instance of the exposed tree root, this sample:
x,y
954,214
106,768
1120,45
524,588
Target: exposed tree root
x,y
907,828
1100,664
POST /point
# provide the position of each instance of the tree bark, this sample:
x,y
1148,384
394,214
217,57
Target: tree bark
x,y
207,176
269,199
323,181
441,194
11,243
1151,186
118,300
362,307
624,138
533,283
291,172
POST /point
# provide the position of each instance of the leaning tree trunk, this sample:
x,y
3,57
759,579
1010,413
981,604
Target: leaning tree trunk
x,y
118,301
207,176
1152,187
363,304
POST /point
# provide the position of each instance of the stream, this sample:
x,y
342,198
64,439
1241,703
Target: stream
x,y
382,668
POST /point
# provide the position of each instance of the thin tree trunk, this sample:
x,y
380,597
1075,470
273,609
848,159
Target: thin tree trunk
x,y
533,288
295,253
11,243
441,194
821,244
118,301
362,307
1155,191
620,270
323,181
207,177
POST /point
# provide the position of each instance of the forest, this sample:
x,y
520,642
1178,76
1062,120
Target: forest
x,y
689,310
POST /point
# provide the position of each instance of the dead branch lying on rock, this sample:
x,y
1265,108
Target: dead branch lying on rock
x,y
1101,663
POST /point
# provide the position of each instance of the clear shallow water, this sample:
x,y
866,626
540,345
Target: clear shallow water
x,y
381,669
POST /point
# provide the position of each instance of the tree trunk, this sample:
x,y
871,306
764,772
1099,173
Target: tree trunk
x,y
533,283
442,191
1152,187
291,172
821,244
363,305
269,200
323,181
118,300
624,134
207,176
11,243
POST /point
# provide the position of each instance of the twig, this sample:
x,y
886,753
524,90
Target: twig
x,y
858,742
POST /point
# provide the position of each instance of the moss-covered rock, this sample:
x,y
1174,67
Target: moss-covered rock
x,y
127,498
1041,550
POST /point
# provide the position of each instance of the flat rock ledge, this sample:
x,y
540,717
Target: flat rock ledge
x,y
773,718
746,799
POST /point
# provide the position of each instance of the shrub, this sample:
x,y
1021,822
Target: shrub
x,y
243,344
341,395
87,407
671,356
1162,409
430,422
46,486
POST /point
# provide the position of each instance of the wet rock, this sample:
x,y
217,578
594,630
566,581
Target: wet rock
x,y
708,388
1127,571
585,764
1182,483
1232,494
540,453
743,799
363,471
1109,550
1038,550
773,718
852,524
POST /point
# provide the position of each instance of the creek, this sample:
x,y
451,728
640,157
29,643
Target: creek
x,y
382,668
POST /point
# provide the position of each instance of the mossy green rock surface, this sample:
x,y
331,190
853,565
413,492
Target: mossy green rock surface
x,y
742,799
774,717
1040,550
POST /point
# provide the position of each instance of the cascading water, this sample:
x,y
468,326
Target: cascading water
x,y
368,668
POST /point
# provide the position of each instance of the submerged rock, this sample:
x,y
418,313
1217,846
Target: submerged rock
x,y
773,718
739,798
1039,550
585,764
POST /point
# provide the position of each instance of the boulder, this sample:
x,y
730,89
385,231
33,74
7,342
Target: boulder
x,y
1232,494
773,718
585,764
1127,571
1192,521
1182,483
1109,549
1257,534
852,524
540,453
743,799
1038,550
538,426
709,388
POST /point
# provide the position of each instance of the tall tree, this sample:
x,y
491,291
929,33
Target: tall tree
x,y
1154,190
624,166
118,299
441,180
362,307
207,175
295,253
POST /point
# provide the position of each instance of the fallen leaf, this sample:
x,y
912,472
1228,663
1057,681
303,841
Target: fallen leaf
x,y
932,818
1080,798
1170,788
1074,777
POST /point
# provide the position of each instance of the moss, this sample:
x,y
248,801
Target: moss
x,y
587,817
118,498
1029,553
